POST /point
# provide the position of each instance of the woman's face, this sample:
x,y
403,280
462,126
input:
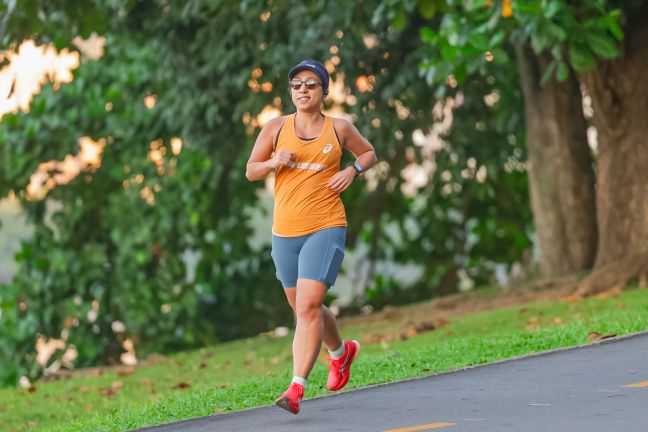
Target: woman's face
x,y
305,99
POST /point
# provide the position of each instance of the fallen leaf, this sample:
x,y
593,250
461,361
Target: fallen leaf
x,y
448,303
96,372
224,385
373,339
596,337
108,392
392,312
614,292
408,331
208,354
425,326
426,369
533,323
88,407
557,320
126,372
117,384
440,322
31,389
622,305
155,358
202,366
574,298
182,385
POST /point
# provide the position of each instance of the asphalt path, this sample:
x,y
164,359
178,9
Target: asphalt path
x,y
593,388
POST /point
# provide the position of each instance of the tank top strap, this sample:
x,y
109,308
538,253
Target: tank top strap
x,y
289,124
329,130
328,125
286,131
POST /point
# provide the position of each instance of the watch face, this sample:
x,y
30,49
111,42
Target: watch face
x,y
357,167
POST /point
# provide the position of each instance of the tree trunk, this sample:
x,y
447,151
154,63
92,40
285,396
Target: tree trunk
x,y
561,174
620,100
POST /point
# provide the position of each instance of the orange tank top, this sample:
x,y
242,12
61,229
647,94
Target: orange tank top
x,y
303,202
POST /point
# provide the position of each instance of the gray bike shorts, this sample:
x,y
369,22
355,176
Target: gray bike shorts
x,y
317,256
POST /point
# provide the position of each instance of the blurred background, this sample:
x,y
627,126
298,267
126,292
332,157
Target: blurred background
x,y
510,135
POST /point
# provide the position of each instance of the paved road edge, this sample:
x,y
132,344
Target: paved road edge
x,y
612,340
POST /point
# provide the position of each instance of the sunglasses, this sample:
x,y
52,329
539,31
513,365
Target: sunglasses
x,y
311,84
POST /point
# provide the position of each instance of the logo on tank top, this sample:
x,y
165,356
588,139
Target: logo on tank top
x,y
328,148
310,166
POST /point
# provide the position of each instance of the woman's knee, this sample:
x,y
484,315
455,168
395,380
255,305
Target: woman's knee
x,y
308,310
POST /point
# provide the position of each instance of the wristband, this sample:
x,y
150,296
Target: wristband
x,y
359,170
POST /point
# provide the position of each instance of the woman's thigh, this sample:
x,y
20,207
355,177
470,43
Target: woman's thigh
x,y
285,254
320,258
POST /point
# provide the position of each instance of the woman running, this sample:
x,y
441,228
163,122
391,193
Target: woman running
x,y
304,150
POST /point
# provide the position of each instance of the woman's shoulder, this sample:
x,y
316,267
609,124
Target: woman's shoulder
x,y
275,124
341,124
278,121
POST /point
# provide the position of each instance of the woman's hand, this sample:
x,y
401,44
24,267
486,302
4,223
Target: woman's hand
x,y
282,158
342,180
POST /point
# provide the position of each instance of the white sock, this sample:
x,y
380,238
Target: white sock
x,y
300,380
338,352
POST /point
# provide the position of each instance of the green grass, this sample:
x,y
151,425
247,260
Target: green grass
x,y
252,372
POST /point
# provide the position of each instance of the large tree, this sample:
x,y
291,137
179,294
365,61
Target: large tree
x,y
561,174
583,220
620,99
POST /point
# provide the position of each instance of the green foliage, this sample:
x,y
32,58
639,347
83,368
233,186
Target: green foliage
x,y
107,249
476,36
56,21
17,336
102,251
459,222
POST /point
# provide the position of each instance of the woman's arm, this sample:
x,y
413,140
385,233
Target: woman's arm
x,y
361,148
261,163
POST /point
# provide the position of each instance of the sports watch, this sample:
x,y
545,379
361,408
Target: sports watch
x,y
358,168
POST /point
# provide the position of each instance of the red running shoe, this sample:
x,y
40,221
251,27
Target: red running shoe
x,y
340,368
291,398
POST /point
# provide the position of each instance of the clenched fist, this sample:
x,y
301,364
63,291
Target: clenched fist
x,y
282,158
342,180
